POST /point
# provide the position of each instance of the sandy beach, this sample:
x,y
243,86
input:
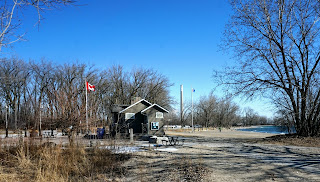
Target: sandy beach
x,y
229,155
224,133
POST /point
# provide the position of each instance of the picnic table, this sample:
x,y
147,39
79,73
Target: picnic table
x,y
172,141
49,134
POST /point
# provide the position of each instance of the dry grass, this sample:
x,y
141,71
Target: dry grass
x,y
190,170
293,139
28,161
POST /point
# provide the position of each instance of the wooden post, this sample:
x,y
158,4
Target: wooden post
x,y
131,135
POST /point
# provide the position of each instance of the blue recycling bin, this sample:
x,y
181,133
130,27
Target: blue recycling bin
x,y
100,133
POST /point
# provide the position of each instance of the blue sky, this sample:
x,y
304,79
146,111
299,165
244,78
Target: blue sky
x,y
177,38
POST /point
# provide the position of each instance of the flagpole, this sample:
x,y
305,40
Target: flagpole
x,y
87,108
192,109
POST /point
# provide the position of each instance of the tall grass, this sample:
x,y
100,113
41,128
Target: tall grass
x,y
29,161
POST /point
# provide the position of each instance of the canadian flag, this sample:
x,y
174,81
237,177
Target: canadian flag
x,y
90,87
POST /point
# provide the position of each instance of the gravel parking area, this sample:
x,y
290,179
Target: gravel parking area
x,y
229,155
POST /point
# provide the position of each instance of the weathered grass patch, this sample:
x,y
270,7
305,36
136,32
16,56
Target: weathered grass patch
x,y
33,162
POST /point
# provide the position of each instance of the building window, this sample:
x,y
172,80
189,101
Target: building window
x,y
159,115
129,116
154,125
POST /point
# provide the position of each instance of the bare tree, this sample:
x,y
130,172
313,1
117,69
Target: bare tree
x,y
172,118
284,119
250,117
277,46
156,88
206,109
227,113
70,94
13,73
186,113
10,16
118,82
120,86
41,74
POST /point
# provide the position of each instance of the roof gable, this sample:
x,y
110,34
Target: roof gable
x,y
155,105
142,100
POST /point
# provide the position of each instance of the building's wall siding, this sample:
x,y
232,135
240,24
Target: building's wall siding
x,y
136,124
151,113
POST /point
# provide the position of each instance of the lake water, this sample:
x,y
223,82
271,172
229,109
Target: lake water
x,y
268,129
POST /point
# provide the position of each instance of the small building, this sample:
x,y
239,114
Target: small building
x,y
142,116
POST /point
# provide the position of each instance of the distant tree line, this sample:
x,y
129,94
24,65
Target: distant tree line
x,y
58,92
212,111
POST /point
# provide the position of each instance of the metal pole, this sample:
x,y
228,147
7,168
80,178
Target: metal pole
x,y
87,107
7,133
192,109
181,103
40,134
